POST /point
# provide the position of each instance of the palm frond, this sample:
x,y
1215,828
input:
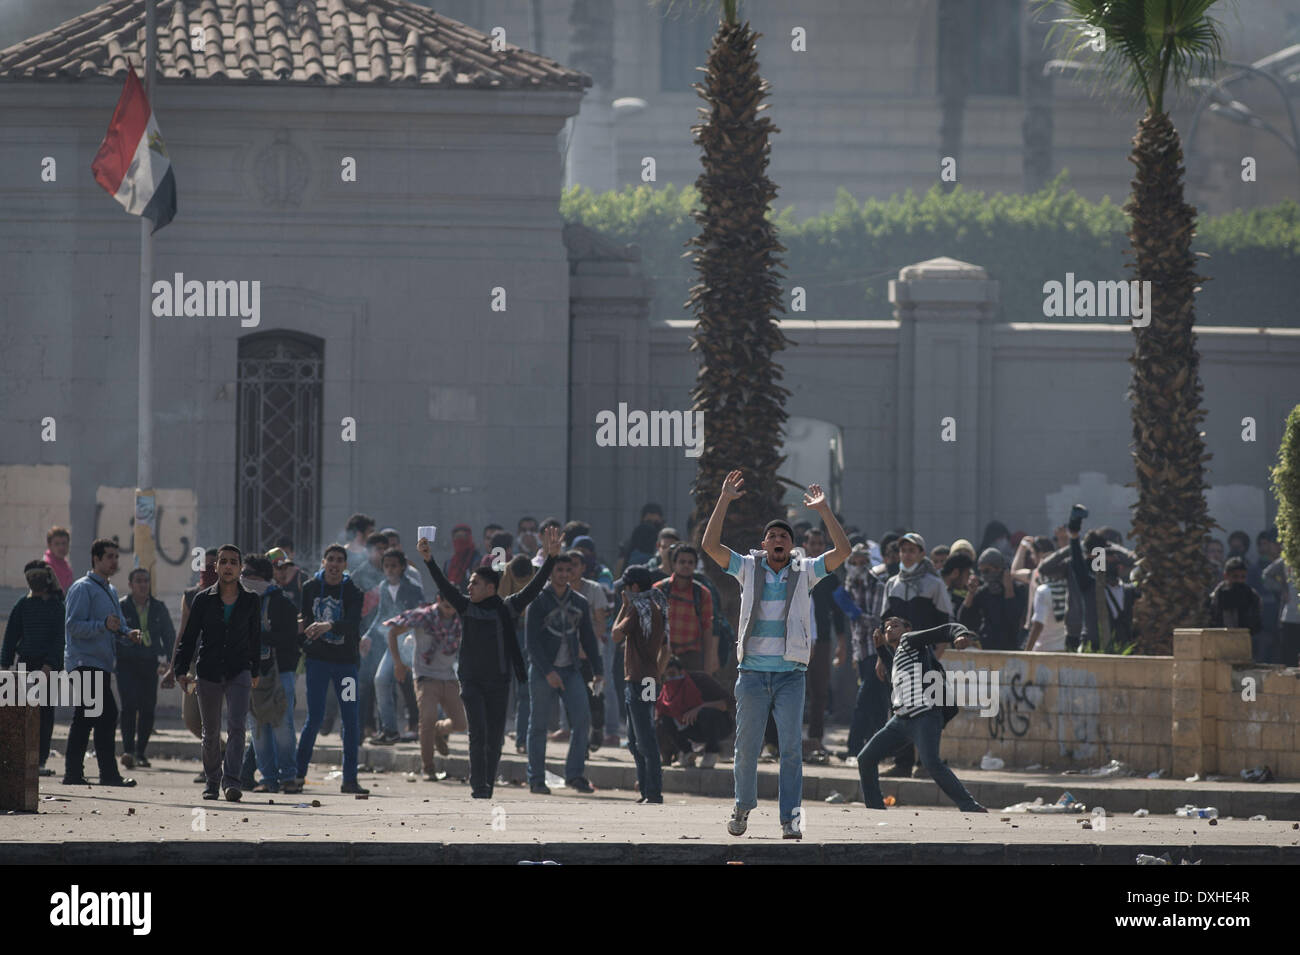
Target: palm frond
x,y
1150,46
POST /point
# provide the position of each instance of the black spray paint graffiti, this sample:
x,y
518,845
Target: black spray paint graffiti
x,y
1014,708
126,547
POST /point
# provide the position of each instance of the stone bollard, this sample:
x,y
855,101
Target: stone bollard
x,y
1198,654
20,734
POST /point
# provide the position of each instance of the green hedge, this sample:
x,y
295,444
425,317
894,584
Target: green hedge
x,y
1286,488
845,258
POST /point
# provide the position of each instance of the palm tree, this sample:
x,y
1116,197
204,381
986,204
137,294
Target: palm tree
x,y
1151,49
737,256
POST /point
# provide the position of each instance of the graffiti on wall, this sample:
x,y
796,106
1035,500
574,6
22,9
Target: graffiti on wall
x,y
177,510
1019,699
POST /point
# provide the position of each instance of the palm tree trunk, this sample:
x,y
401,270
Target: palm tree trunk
x,y
1171,518
737,256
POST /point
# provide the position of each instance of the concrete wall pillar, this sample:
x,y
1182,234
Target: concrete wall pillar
x,y
1198,655
943,308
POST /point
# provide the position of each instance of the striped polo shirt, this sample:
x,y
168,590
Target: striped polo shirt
x,y
765,648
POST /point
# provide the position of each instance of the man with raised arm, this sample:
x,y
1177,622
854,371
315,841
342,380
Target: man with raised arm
x,y
489,653
773,646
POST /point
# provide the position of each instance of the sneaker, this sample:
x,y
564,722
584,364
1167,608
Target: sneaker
x,y
291,787
128,761
708,760
76,781
210,792
641,801
119,781
384,739
686,759
580,784
141,762
481,794
46,771
266,788
790,831
521,750
739,821
653,800
355,789
440,743
920,772
234,794
539,789
559,736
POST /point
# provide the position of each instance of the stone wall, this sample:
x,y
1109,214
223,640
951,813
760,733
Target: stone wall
x,y
1066,711
1207,710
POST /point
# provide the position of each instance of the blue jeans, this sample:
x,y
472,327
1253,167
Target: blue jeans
x,y
276,746
643,742
386,694
923,731
871,709
781,694
542,698
320,674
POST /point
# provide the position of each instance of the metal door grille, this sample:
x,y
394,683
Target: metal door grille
x,y
279,441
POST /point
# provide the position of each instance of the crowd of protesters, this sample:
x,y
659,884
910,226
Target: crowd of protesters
x,y
645,653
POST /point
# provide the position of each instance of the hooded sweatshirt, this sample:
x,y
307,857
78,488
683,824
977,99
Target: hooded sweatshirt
x,y
341,604
919,596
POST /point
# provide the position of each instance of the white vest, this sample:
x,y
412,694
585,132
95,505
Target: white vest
x,y
798,624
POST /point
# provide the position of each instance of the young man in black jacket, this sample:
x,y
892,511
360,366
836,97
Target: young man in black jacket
x,y
224,629
331,622
34,638
917,717
140,664
487,642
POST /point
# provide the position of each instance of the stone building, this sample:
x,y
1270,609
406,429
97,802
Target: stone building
x,y
434,344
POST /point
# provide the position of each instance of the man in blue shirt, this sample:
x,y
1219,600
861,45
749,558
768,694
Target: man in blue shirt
x,y
94,628
773,646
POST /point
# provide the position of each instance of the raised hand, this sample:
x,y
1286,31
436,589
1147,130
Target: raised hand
x,y
815,497
425,551
552,538
733,486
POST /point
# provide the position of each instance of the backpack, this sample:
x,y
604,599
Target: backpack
x,y
267,700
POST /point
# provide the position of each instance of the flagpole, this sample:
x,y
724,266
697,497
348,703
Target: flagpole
x,y
145,498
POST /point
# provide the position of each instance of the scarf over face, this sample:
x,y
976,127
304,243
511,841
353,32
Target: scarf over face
x,y
462,554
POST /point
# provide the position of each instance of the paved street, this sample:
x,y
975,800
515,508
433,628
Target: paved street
x,y
408,818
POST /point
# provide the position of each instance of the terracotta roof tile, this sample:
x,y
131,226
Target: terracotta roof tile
x,y
314,42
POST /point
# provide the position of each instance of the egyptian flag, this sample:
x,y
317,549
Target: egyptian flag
x,y
132,163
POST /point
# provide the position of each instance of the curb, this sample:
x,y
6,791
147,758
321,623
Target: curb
x,y
568,853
